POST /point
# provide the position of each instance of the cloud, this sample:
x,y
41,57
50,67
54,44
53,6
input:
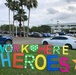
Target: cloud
x,y
2,4
71,8
69,1
63,16
52,11
2,7
62,10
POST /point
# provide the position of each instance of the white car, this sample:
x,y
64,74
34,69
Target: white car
x,y
61,41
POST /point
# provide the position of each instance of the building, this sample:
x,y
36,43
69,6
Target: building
x,y
60,27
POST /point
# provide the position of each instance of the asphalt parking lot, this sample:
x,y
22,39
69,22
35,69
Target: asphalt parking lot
x,y
25,40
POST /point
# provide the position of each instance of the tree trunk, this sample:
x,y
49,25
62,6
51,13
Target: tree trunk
x,y
9,22
13,23
23,25
28,22
20,28
24,28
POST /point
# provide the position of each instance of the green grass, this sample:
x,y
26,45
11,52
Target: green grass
x,y
12,71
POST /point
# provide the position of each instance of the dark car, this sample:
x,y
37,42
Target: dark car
x,y
44,34
18,34
61,33
35,34
5,39
48,34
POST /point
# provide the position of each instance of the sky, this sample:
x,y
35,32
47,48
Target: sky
x,y
47,12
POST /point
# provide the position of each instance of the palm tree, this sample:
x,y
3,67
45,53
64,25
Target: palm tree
x,y
23,25
8,4
30,4
14,8
12,5
20,17
20,13
16,5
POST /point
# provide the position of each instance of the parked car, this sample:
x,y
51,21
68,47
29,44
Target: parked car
x,y
22,34
18,33
69,34
48,34
35,34
53,34
60,41
6,32
44,34
61,33
6,39
75,35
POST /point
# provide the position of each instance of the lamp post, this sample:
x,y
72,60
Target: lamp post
x,y
62,27
51,25
57,23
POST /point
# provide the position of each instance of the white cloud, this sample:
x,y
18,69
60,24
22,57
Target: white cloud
x,y
49,9
70,1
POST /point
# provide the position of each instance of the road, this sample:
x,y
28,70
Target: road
x,y
22,40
